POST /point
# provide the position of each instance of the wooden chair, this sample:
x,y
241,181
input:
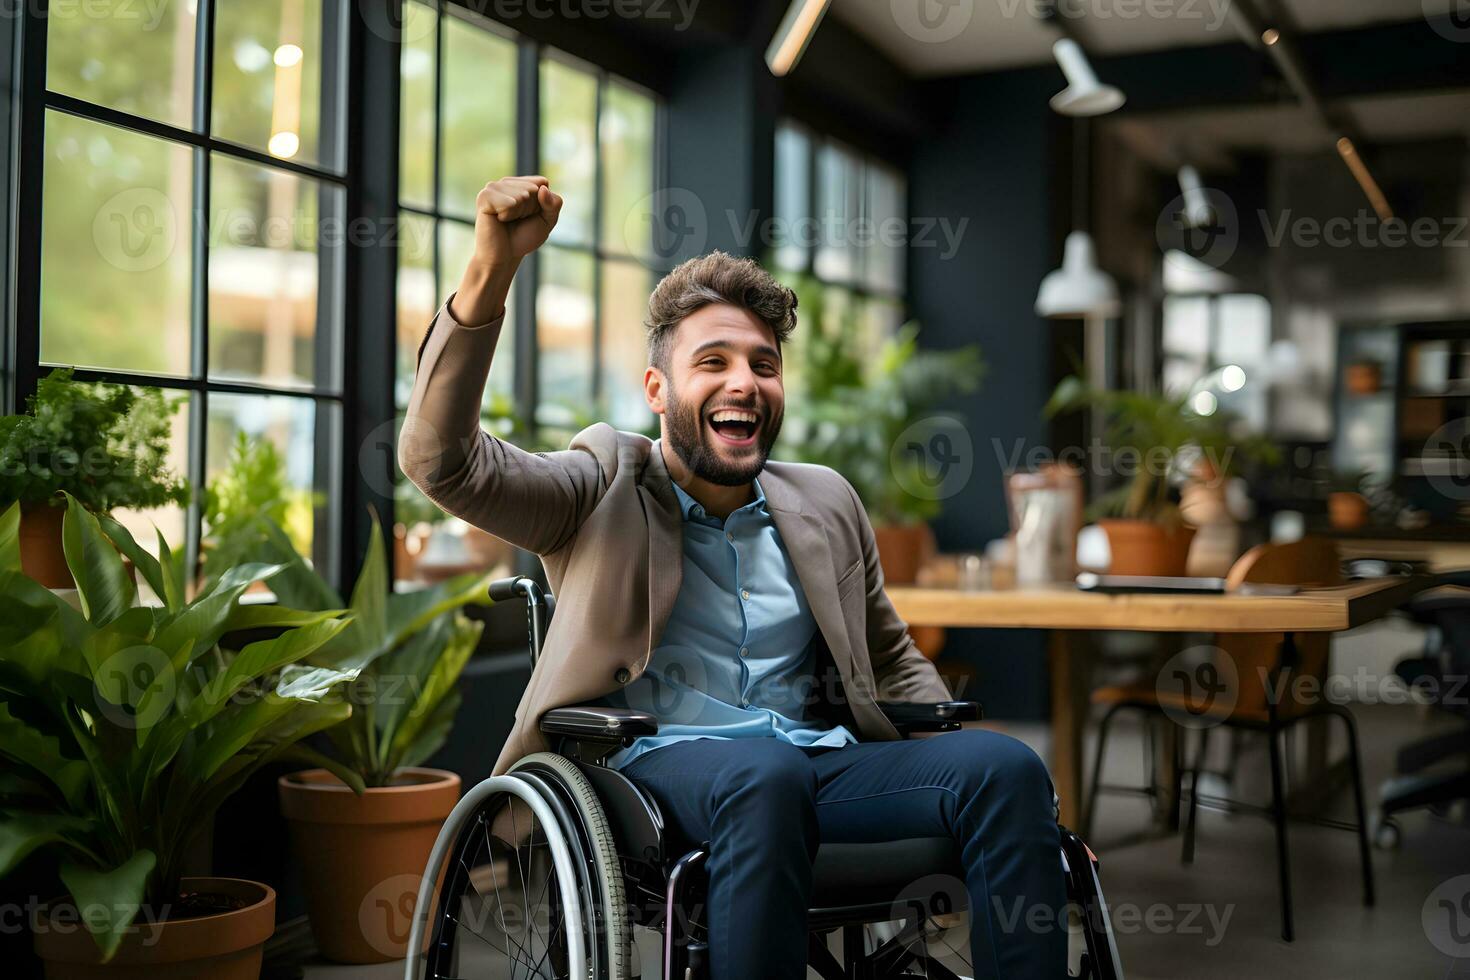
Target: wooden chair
x,y
1269,697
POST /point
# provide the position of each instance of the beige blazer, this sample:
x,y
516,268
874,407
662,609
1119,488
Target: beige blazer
x,y
603,517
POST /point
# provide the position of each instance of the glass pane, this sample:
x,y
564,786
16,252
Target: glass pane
x,y
478,139
418,295
114,249
1245,330
262,273
1187,325
456,243
416,120
625,289
171,518
793,198
838,187
627,169
569,146
881,319
564,312
126,55
289,423
888,231
268,58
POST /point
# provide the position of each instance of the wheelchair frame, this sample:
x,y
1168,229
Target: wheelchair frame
x,y
660,889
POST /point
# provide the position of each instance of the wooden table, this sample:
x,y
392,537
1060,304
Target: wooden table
x,y
1067,611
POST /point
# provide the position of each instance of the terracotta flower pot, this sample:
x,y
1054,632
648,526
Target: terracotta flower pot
x,y
902,550
222,946
1145,548
41,554
362,857
1363,377
1346,510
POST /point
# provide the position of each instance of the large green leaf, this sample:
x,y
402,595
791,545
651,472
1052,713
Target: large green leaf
x,y
172,569
257,660
237,727
431,734
441,681
23,833
10,538
116,895
43,753
298,585
208,617
106,589
146,564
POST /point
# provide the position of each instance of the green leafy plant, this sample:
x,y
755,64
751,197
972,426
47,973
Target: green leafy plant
x,y
124,727
106,445
850,408
1162,440
400,658
251,489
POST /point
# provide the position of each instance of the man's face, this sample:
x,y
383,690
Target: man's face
x,y
722,399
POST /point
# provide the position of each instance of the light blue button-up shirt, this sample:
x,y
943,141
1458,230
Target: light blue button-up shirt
x,y
737,657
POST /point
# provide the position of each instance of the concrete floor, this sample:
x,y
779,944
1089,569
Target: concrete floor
x,y
1220,917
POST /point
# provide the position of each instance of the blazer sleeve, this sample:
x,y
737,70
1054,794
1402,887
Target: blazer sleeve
x,y
535,501
900,671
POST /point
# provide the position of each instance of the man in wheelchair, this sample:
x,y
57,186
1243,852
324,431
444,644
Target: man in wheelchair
x,y
704,585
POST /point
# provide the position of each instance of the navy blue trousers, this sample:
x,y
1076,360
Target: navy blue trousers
x,y
764,806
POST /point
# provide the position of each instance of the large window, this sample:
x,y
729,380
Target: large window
x,y
1216,350
841,231
480,102
192,157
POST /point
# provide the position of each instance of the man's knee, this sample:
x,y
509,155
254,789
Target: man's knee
x,y
989,762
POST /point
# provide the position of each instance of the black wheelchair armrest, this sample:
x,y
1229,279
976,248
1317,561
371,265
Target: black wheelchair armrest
x,y
933,716
595,724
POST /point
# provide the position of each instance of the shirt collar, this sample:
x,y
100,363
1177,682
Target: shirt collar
x,y
693,510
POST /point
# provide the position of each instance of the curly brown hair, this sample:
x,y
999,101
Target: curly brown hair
x,y
716,278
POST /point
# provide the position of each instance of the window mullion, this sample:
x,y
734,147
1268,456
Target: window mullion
x,y
199,281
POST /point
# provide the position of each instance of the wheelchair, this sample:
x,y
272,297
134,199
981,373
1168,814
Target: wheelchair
x,y
545,871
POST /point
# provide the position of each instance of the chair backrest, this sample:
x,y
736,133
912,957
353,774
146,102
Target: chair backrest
x,y
1308,563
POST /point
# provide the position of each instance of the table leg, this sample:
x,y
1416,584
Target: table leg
x,y
1070,688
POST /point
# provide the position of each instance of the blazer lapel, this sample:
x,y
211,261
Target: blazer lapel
x,y
665,545
806,543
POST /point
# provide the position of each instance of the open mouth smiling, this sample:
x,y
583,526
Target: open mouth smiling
x,y
734,426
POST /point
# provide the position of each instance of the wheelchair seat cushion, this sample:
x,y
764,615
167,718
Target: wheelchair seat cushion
x,y
867,874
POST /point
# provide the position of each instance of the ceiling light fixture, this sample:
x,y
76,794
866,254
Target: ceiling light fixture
x,y
1084,94
794,34
1349,154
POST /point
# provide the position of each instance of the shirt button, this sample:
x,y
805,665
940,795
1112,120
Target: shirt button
x,y
745,593
729,535
622,675
745,651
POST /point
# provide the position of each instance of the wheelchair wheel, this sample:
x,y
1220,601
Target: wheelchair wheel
x,y
506,894
612,928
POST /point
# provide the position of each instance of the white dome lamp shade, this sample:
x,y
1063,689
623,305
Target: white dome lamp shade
x,y
1084,94
1079,288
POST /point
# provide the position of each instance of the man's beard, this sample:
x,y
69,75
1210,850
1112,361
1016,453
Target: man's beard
x,y
692,440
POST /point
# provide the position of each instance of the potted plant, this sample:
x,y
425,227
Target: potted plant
x,y
362,844
857,412
123,728
1347,499
1159,440
105,444
252,488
